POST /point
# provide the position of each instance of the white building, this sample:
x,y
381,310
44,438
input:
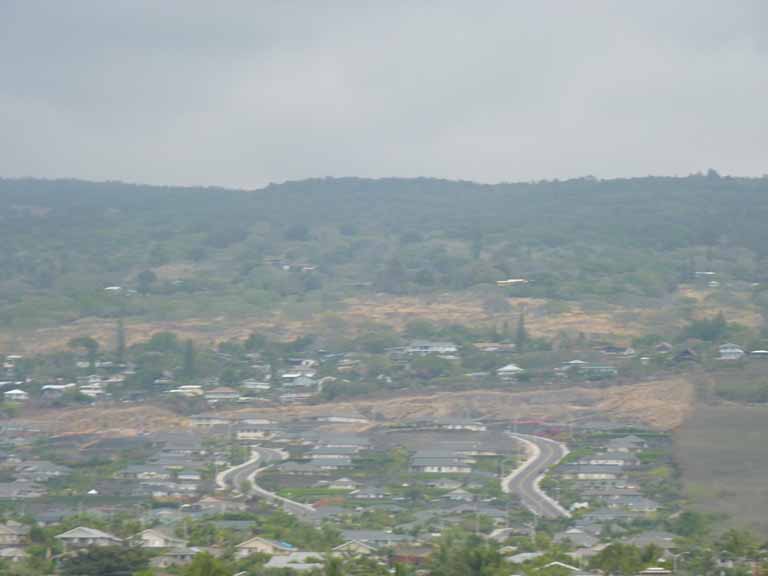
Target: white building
x,y
15,396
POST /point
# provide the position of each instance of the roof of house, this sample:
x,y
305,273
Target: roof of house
x,y
373,536
350,543
83,532
274,543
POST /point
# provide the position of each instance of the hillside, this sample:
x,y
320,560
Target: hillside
x,y
309,246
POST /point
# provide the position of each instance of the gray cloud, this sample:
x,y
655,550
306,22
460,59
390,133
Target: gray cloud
x,y
244,93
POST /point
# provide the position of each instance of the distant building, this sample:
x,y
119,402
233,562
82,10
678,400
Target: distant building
x,y
424,348
509,372
15,396
731,352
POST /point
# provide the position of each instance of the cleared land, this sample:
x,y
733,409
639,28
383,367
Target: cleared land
x,y
661,404
544,318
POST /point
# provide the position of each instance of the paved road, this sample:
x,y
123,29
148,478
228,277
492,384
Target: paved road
x,y
244,476
525,480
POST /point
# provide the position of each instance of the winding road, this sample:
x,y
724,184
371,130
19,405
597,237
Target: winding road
x,y
243,476
525,480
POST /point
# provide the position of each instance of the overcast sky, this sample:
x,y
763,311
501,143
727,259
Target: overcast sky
x,y
243,93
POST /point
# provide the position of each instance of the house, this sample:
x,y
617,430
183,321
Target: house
x,y
300,469
612,458
440,465
15,396
664,540
353,549
41,471
260,545
760,354
13,534
83,537
334,463
222,394
375,538
343,484
730,352
634,503
424,348
629,443
349,417
590,472
144,472
213,505
460,425
411,553
329,452
208,421
509,372
459,495
577,538
596,372
174,557
624,351
297,562
687,355
154,538
444,484
13,554
188,475
369,493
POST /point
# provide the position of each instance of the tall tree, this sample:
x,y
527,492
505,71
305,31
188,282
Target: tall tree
x,y
88,344
190,360
521,334
120,341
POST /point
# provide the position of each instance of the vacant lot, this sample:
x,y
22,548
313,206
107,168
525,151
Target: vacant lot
x,y
723,452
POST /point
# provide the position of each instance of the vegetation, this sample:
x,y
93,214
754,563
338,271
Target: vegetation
x,y
229,251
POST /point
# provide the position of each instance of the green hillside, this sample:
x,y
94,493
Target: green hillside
x,y
64,241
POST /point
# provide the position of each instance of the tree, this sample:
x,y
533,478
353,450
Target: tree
x,y
204,564
145,280
618,559
105,561
88,344
189,368
120,341
333,567
521,334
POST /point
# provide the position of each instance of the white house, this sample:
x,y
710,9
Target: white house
x,y
222,394
731,352
154,538
509,372
82,537
262,546
15,396
423,347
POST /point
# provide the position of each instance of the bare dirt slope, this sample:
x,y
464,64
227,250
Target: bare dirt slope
x,y
661,404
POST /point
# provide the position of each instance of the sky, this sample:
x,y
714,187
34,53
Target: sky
x,y
244,93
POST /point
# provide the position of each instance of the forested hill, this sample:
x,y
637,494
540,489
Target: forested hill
x,y
67,238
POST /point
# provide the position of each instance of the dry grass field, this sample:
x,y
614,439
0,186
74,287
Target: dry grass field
x,y
543,319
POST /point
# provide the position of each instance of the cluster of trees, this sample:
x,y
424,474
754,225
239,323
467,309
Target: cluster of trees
x,y
65,240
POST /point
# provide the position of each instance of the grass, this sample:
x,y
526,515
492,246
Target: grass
x,y
724,462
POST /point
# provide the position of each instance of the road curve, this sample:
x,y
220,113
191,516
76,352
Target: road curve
x,y
525,480
243,476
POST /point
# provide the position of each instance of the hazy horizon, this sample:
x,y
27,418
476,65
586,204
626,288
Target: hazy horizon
x,y
244,94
